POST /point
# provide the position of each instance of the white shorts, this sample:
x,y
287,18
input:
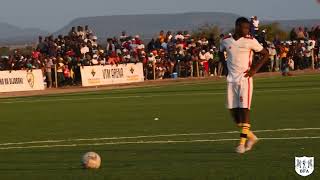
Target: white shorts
x,y
239,95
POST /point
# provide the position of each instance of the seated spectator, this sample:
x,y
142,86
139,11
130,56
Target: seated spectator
x,y
162,37
203,41
84,49
179,36
169,36
114,59
300,34
123,36
94,60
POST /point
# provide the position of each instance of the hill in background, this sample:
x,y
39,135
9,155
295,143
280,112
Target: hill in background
x,y
10,34
147,25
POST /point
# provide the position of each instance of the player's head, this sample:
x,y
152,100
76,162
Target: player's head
x,y
242,26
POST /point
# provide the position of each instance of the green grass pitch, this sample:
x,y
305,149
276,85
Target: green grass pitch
x,y
44,137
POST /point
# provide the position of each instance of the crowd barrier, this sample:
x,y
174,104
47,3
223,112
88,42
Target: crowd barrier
x,y
112,74
21,80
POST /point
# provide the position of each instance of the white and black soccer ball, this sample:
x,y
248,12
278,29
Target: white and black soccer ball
x,y
91,160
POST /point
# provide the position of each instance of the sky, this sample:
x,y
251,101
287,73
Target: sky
x,y
52,15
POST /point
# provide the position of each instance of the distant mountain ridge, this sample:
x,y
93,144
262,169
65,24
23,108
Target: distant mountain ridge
x,y
13,34
150,24
147,25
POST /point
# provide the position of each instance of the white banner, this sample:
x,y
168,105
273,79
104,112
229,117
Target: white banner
x,y
21,80
112,74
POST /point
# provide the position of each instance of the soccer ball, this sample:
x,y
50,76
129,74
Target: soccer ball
x,y
91,160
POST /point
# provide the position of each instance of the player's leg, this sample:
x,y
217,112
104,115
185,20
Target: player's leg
x,y
245,96
245,125
232,102
249,139
235,113
252,139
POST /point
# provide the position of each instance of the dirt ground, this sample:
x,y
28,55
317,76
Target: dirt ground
x,y
75,89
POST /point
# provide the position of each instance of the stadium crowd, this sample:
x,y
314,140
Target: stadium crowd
x,y
168,55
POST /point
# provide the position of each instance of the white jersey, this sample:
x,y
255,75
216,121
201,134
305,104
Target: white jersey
x,y
239,55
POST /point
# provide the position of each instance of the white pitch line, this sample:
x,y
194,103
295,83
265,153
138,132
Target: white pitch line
x,y
153,136
143,96
153,142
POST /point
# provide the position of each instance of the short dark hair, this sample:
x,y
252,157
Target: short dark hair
x,y
242,20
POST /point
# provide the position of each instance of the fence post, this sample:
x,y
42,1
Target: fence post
x,y
197,66
154,70
56,75
145,69
312,59
191,69
178,68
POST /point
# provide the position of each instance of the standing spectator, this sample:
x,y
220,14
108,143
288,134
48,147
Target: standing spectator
x,y
60,75
67,75
293,34
204,63
308,54
48,68
110,48
73,32
151,45
254,25
306,33
42,46
300,34
88,32
80,32
162,37
300,55
211,61
284,49
272,55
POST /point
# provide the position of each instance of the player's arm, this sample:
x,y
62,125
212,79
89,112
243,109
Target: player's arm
x,y
221,52
263,58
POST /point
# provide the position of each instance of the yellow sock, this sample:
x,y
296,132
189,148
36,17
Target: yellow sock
x,y
244,133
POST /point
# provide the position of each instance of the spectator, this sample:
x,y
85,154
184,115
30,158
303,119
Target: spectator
x,y
254,25
48,69
293,34
300,34
123,36
67,75
210,56
84,49
179,36
308,54
60,75
272,55
204,63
